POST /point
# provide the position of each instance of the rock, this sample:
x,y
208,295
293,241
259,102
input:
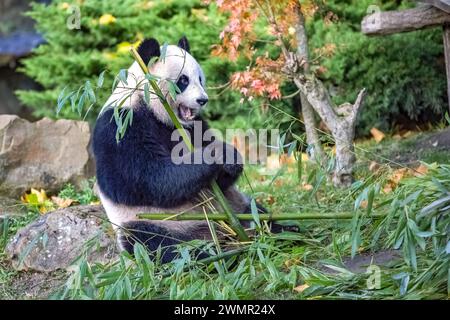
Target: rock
x,y
55,240
360,263
45,154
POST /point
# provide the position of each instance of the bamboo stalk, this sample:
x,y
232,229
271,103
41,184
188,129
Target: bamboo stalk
x,y
249,217
230,216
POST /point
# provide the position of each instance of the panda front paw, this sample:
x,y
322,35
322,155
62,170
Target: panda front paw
x,y
234,170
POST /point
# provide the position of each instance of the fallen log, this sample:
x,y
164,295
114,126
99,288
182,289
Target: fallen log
x,y
389,22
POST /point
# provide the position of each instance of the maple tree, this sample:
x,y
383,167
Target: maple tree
x,y
285,29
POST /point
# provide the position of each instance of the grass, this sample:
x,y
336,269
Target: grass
x,y
310,264
11,224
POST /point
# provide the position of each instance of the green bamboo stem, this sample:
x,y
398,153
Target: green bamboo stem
x,y
230,216
249,217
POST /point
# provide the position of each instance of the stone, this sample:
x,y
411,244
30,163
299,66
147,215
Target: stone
x,y
45,154
55,240
360,263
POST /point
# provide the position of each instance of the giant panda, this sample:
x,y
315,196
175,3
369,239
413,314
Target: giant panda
x,y
136,174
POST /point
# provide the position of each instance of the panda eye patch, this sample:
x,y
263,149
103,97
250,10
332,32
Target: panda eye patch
x,y
183,82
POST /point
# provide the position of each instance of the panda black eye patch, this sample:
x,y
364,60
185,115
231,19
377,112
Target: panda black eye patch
x,y
183,82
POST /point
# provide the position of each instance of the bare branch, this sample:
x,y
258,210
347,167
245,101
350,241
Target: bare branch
x,y
389,22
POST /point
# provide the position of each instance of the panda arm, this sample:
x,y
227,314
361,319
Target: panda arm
x,y
172,184
232,166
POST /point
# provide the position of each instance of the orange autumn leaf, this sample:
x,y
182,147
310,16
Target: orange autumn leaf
x,y
306,187
273,162
270,200
291,262
402,173
364,204
407,134
387,188
421,170
289,160
62,203
301,288
278,183
377,134
398,175
374,166
241,35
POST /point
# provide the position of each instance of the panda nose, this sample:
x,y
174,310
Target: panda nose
x,y
202,101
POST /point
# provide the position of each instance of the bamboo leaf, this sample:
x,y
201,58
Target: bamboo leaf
x,y
147,93
404,281
81,103
162,56
255,213
61,100
90,92
435,205
173,89
292,148
101,79
123,75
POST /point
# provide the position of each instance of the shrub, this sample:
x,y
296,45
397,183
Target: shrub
x,y
71,57
404,74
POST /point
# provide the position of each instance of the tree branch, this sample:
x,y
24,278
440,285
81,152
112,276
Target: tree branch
x,y
389,22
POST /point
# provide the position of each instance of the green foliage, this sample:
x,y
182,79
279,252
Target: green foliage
x,y
272,266
404,74
83,196
75,56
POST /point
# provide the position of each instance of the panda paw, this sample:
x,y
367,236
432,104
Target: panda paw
x,y
278,228
234,170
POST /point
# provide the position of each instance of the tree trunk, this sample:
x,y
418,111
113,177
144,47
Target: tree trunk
x,y
345,157
446,30
312,136
341,120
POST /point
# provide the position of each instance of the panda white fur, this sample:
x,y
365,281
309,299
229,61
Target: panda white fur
x,y
137,175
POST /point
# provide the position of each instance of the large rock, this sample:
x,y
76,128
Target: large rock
x,y
45,154
57,239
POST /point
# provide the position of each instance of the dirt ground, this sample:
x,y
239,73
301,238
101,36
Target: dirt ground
x,y
428,147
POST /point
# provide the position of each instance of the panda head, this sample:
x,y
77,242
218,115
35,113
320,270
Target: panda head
x,y
180,67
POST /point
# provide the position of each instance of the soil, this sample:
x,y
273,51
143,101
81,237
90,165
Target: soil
x,y
26,285
418,147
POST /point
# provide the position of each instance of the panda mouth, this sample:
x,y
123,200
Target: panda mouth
x,y
186,114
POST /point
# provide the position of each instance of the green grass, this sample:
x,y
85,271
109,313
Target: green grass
x,y
272,266
10,225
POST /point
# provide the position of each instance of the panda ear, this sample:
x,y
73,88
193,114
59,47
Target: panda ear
x,y
148,49
183,43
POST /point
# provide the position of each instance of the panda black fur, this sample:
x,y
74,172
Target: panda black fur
x,y
137,175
